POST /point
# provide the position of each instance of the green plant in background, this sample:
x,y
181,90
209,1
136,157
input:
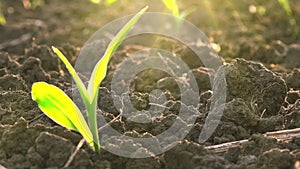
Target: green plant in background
x,y
2,18
170,4
95,1
28,4
61,109
292,21
106,2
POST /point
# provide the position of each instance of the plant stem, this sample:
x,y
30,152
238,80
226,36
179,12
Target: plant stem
x,y
92,120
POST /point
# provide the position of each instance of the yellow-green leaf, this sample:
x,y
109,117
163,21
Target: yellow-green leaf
x,y
95,1
110,2
2,18
61,109
286,6
82,89
100,69
172,5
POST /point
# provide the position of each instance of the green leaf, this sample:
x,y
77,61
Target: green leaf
x,y
110,2
2,18
172,5
61,109
100,69
82,89
286,6
95,1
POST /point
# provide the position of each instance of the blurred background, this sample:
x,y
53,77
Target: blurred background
x,y
259,30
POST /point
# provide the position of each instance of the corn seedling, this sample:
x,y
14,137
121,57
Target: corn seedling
x,y
2,18
95,1
62,110
173,6
170,5
106,2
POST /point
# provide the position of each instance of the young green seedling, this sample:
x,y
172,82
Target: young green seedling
x,y
2,18
172,6
61,109
106,2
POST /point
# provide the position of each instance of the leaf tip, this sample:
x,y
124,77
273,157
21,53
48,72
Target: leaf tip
x,y
145,9
34,88
54,49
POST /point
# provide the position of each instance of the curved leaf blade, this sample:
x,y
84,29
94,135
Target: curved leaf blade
x,y
61,109
100,69
82,89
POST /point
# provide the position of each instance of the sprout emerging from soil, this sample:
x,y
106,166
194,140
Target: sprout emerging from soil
x,y
61,109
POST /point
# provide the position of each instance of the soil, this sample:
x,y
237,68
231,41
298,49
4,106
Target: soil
x,y
261,62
